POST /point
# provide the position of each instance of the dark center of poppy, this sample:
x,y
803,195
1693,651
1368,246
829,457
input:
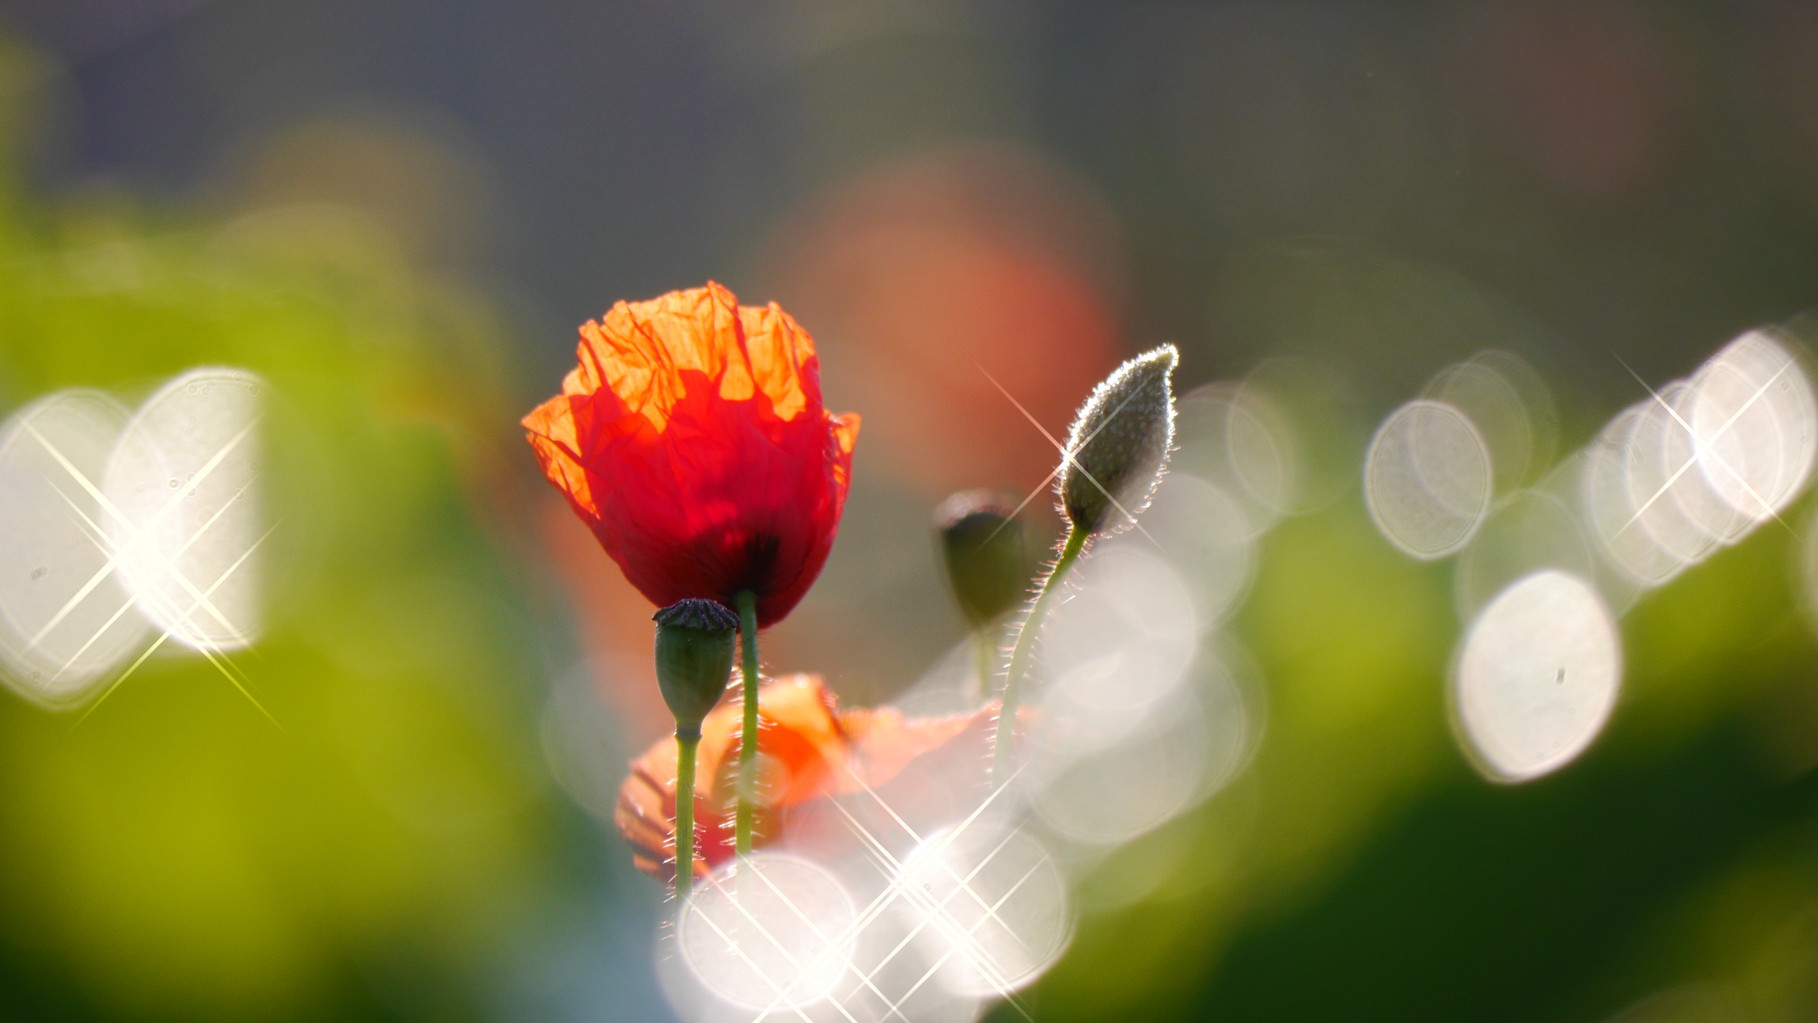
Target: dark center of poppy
x,y
758,572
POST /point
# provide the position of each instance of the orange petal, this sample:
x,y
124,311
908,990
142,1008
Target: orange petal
x,y
811,751
782,359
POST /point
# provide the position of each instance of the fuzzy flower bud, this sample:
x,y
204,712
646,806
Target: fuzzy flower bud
x,y
1119,444
984,551
695,641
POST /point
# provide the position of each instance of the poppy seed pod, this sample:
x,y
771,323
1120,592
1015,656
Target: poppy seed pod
x,y
1119,444
695,643
983,549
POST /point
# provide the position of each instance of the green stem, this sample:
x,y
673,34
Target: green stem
x,y
686,742
984,643
748,739
1024,650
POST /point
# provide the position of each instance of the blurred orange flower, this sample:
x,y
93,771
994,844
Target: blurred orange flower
x,y
692,440
939,264
812,751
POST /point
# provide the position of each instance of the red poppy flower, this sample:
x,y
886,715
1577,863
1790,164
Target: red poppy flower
x,y
691,439
812,751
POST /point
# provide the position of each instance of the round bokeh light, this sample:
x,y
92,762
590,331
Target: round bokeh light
x,y
1538,676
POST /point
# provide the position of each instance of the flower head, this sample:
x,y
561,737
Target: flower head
x,y
982,547
691,439
813,750
1118,446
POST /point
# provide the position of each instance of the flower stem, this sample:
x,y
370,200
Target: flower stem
x,y
748,738
686,742
984,646
1025,649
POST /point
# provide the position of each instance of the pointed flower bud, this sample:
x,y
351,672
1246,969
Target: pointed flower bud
x,y
695,643
1119,444
985,554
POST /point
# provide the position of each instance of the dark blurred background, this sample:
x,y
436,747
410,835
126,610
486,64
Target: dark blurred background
x,y
400,212
1636,177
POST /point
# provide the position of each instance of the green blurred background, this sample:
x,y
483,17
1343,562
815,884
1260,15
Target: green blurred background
x,y
398,213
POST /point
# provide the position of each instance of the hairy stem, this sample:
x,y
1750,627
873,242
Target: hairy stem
x,y
748,739
686,742
1005,737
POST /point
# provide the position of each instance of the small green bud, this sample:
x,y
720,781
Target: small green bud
x,y
1119,444
985,554
695,643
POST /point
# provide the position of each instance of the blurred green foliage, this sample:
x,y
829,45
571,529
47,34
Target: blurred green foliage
x,y
174,855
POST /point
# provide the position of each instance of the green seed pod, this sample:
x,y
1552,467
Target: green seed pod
x,y
985,553
695,643
1119,444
